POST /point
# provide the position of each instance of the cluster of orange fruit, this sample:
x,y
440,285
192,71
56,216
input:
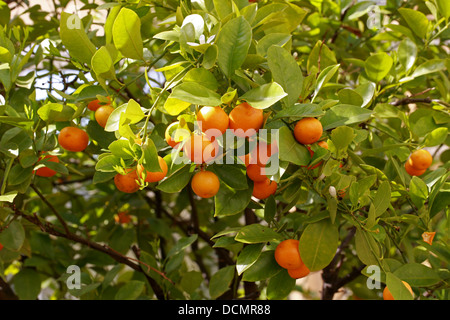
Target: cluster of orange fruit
x,y
74,139
287,255
419,161
244,121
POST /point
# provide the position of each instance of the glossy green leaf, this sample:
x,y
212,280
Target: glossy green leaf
x,y
233,43
127,34
318,244
377,66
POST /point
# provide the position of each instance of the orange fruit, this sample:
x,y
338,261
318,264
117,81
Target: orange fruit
x,y
298,273
102,114
73,139
413,171
212,118
387,295
287,254
95,104
256,173
245,120
308,130
122,217
1,247
264,189
127,182
45,171
261,154
205,184
420,159
154,176
168,134
199,149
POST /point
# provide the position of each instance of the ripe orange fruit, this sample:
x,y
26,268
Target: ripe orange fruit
x,y
322,144
212,118
298,273
1,247
287,254
168,134
102,114
127,182
420,159
246,120
308,130
45,171
261,154
205,184
73,139
413,171
122,217
199,149
154,176
256,173
264,189
95,104
387,295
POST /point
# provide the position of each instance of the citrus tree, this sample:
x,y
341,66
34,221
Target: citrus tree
x,y
229,149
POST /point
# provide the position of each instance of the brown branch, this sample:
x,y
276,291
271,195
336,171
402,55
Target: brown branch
x,y
330,275
117,256
409,100
52,208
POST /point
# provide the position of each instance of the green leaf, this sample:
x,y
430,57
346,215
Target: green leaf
x,y
344,114
444,8
13,237
320,52
417,275
324,77
318,244
298,111
436,137
418,191
75,38
233,43
269,40
229,201
286,72
130,290
107,163
398,290
264,96
51,112
367,249
27,284
121,149
342,137
150,159
377,66
290,150
349,96
8,197
233,175
382,198
264,268
416,21
127,34
280,286
407,53
248,256
195,93
203,77
182,244
256,233
103,64
176,181
220,281
270,209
